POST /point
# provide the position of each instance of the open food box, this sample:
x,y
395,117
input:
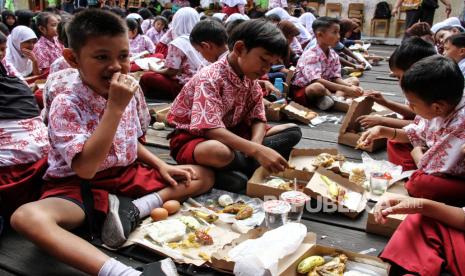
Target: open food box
x,y
349,198
351,130
264,184
308,160
287,266
299,112
392,221
273,112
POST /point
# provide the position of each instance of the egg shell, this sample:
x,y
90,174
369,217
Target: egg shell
x,y
172,206
158,214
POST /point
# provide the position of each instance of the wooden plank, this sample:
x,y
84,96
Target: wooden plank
x,y
157,138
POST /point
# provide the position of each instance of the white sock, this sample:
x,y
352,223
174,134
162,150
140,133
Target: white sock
x,y
113,267
147,203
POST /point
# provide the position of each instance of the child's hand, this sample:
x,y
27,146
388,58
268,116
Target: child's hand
x,y
177,174
270,159
29,54
360,67
376,96
122,89
268,88
401,205
353,91
368,121
368,136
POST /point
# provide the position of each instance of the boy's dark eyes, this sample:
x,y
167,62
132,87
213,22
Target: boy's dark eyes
x,y
101,57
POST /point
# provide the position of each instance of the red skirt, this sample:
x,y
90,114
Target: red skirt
x,y
20,184
162,49
399,154
134,181
158,86
449,190
424,246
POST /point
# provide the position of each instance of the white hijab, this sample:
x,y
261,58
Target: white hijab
x,y
13,50
219,15
304,35
184,21
282,13
307,19
236,16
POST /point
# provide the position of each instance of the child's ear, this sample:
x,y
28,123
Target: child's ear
x,y
462,52
70,57
239,47
205,45
440,108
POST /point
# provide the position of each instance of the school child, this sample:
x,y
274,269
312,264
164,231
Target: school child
x,y
20,53
93,136
430,241
138,42
318,71
9,19
356,33
23,141
219,114
181,63
346,28
440,130
158,29
444,29
210,39
147,19
48,48
410,51
61,63
304,37
10,69
454,47
233,6
291,32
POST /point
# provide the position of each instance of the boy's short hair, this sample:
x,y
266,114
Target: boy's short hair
x,y
259,33
232,24
458,40
323,23
93,23
411,50
209,31
433,79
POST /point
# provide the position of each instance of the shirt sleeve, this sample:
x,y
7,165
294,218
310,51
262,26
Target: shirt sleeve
x,y
416,133
41,56
174,57
67,128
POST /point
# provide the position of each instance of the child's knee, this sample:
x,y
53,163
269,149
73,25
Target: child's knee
x,y
205,179
315,90
214,151
26,217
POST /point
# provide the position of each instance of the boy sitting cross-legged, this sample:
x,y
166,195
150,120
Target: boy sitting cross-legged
x,y
94,139
219,114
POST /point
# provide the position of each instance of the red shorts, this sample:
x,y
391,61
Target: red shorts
x,y
298,95
20,184
135,67
162,49
424,246
449,190
230,10
158,86
399,154
134,181
183,144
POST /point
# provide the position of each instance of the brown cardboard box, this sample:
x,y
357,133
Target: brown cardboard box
x,y
299,112
302,159
350,130
273,112
257,188
339,105
318,189
393,221
160,112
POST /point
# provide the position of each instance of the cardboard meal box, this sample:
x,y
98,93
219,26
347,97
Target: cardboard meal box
x,y
350,130
160,112
273,112
341,105
393,221
355,199
256,186
299,112
301,159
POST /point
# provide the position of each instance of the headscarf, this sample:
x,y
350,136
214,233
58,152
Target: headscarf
x,y
236,16
307,19
13,50
282,13
304,35
220,15
184,21
135,16
449,22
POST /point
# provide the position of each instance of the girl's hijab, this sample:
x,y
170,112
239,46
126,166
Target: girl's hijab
x,y
13,51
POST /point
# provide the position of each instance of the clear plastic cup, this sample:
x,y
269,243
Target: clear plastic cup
x,y
378,183
276,213
297,200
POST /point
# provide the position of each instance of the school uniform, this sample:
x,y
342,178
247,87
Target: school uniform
x,y
13,53
139,44
214,98
441,170
181,56
11,70
58,65
312,65
154,35
23,146
162,45
73,118
424,246
146,25
47,51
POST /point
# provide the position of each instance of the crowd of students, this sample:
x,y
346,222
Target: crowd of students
x,y
72,155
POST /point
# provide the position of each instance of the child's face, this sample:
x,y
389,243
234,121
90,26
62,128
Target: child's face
x,y
28,44
423,109
254,63
99,59
132,34
442,35
455,53
209,50
329,37
10,20
51,29
158,25
2,50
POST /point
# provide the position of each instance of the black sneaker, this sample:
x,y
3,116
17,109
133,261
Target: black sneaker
x,y
122,218
231,181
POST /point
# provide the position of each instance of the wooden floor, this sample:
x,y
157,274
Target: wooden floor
x,y
20,257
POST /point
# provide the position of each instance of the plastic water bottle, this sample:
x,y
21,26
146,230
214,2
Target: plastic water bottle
x,y
278,83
